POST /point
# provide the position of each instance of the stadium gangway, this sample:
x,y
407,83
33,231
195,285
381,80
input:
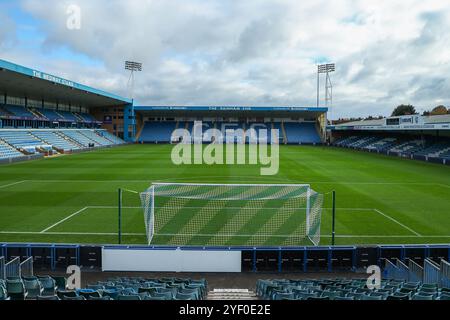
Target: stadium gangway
x,y
12,268
415,271
2,268
26,268
431,272
445,274
402,271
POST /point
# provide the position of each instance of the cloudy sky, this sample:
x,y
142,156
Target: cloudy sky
x,y
241,52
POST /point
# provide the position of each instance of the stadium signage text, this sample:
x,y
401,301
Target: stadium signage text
x,y
229,148
48,77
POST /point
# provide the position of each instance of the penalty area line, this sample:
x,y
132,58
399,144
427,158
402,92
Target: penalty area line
x,y
12,184
62,220
397,222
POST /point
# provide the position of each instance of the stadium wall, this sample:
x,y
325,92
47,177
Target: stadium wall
x,y
170,260
255,260
21,159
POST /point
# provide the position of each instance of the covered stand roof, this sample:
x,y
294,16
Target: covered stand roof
x,y
19,81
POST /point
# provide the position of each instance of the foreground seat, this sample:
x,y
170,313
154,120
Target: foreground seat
x,y
66,293
33,288
49,285
129,297
47,298
418,296
15,289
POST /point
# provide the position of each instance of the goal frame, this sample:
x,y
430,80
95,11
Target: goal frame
x,y
151,192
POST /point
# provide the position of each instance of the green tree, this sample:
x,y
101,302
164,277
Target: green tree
x,y
439,110
404,110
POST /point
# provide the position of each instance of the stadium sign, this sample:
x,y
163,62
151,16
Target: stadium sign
x,y
391,127
49,77
229,108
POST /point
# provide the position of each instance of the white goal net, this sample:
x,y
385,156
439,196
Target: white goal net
x,y
232,214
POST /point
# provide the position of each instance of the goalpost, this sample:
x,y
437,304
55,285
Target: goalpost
x,y
232,214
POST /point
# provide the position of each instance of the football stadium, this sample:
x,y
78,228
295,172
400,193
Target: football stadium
x,y
215,202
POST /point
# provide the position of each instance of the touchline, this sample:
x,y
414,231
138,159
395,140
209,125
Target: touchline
x,y
235,147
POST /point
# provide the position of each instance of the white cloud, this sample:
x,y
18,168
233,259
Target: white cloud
x,y
254,52
7,31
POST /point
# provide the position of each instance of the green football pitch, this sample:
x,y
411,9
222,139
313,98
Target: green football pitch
x,y
73,198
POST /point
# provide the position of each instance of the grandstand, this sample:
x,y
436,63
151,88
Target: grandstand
x,y
18,143
157,132
66,211
416,137
22,141
56,140
30,125
289,132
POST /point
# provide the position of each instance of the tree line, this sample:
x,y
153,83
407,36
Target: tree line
x,y
401,110
407,109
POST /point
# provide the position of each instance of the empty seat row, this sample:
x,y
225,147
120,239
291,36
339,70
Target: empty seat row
x,y
54,288
289,132
17,143
79,138
99,140
18,111
348,289
114,139
56,140
410,147
7,151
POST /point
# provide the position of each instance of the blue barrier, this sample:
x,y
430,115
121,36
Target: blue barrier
x,y
390,270
445,274
2,268
12,268
415,271
26,268
402,271
431,272
273,259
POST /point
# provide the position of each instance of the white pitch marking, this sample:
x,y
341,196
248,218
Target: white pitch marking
x,y
12,184
62,220
72,233
143,234
381,236
240,208
398,222
246,177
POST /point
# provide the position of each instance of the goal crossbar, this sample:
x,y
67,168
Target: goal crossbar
x,y
228,184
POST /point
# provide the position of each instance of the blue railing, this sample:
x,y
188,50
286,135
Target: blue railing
x,y
402,271
26,268
445,274
415,271
2,268
257,259
390,270
12,268
28,251
431,272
